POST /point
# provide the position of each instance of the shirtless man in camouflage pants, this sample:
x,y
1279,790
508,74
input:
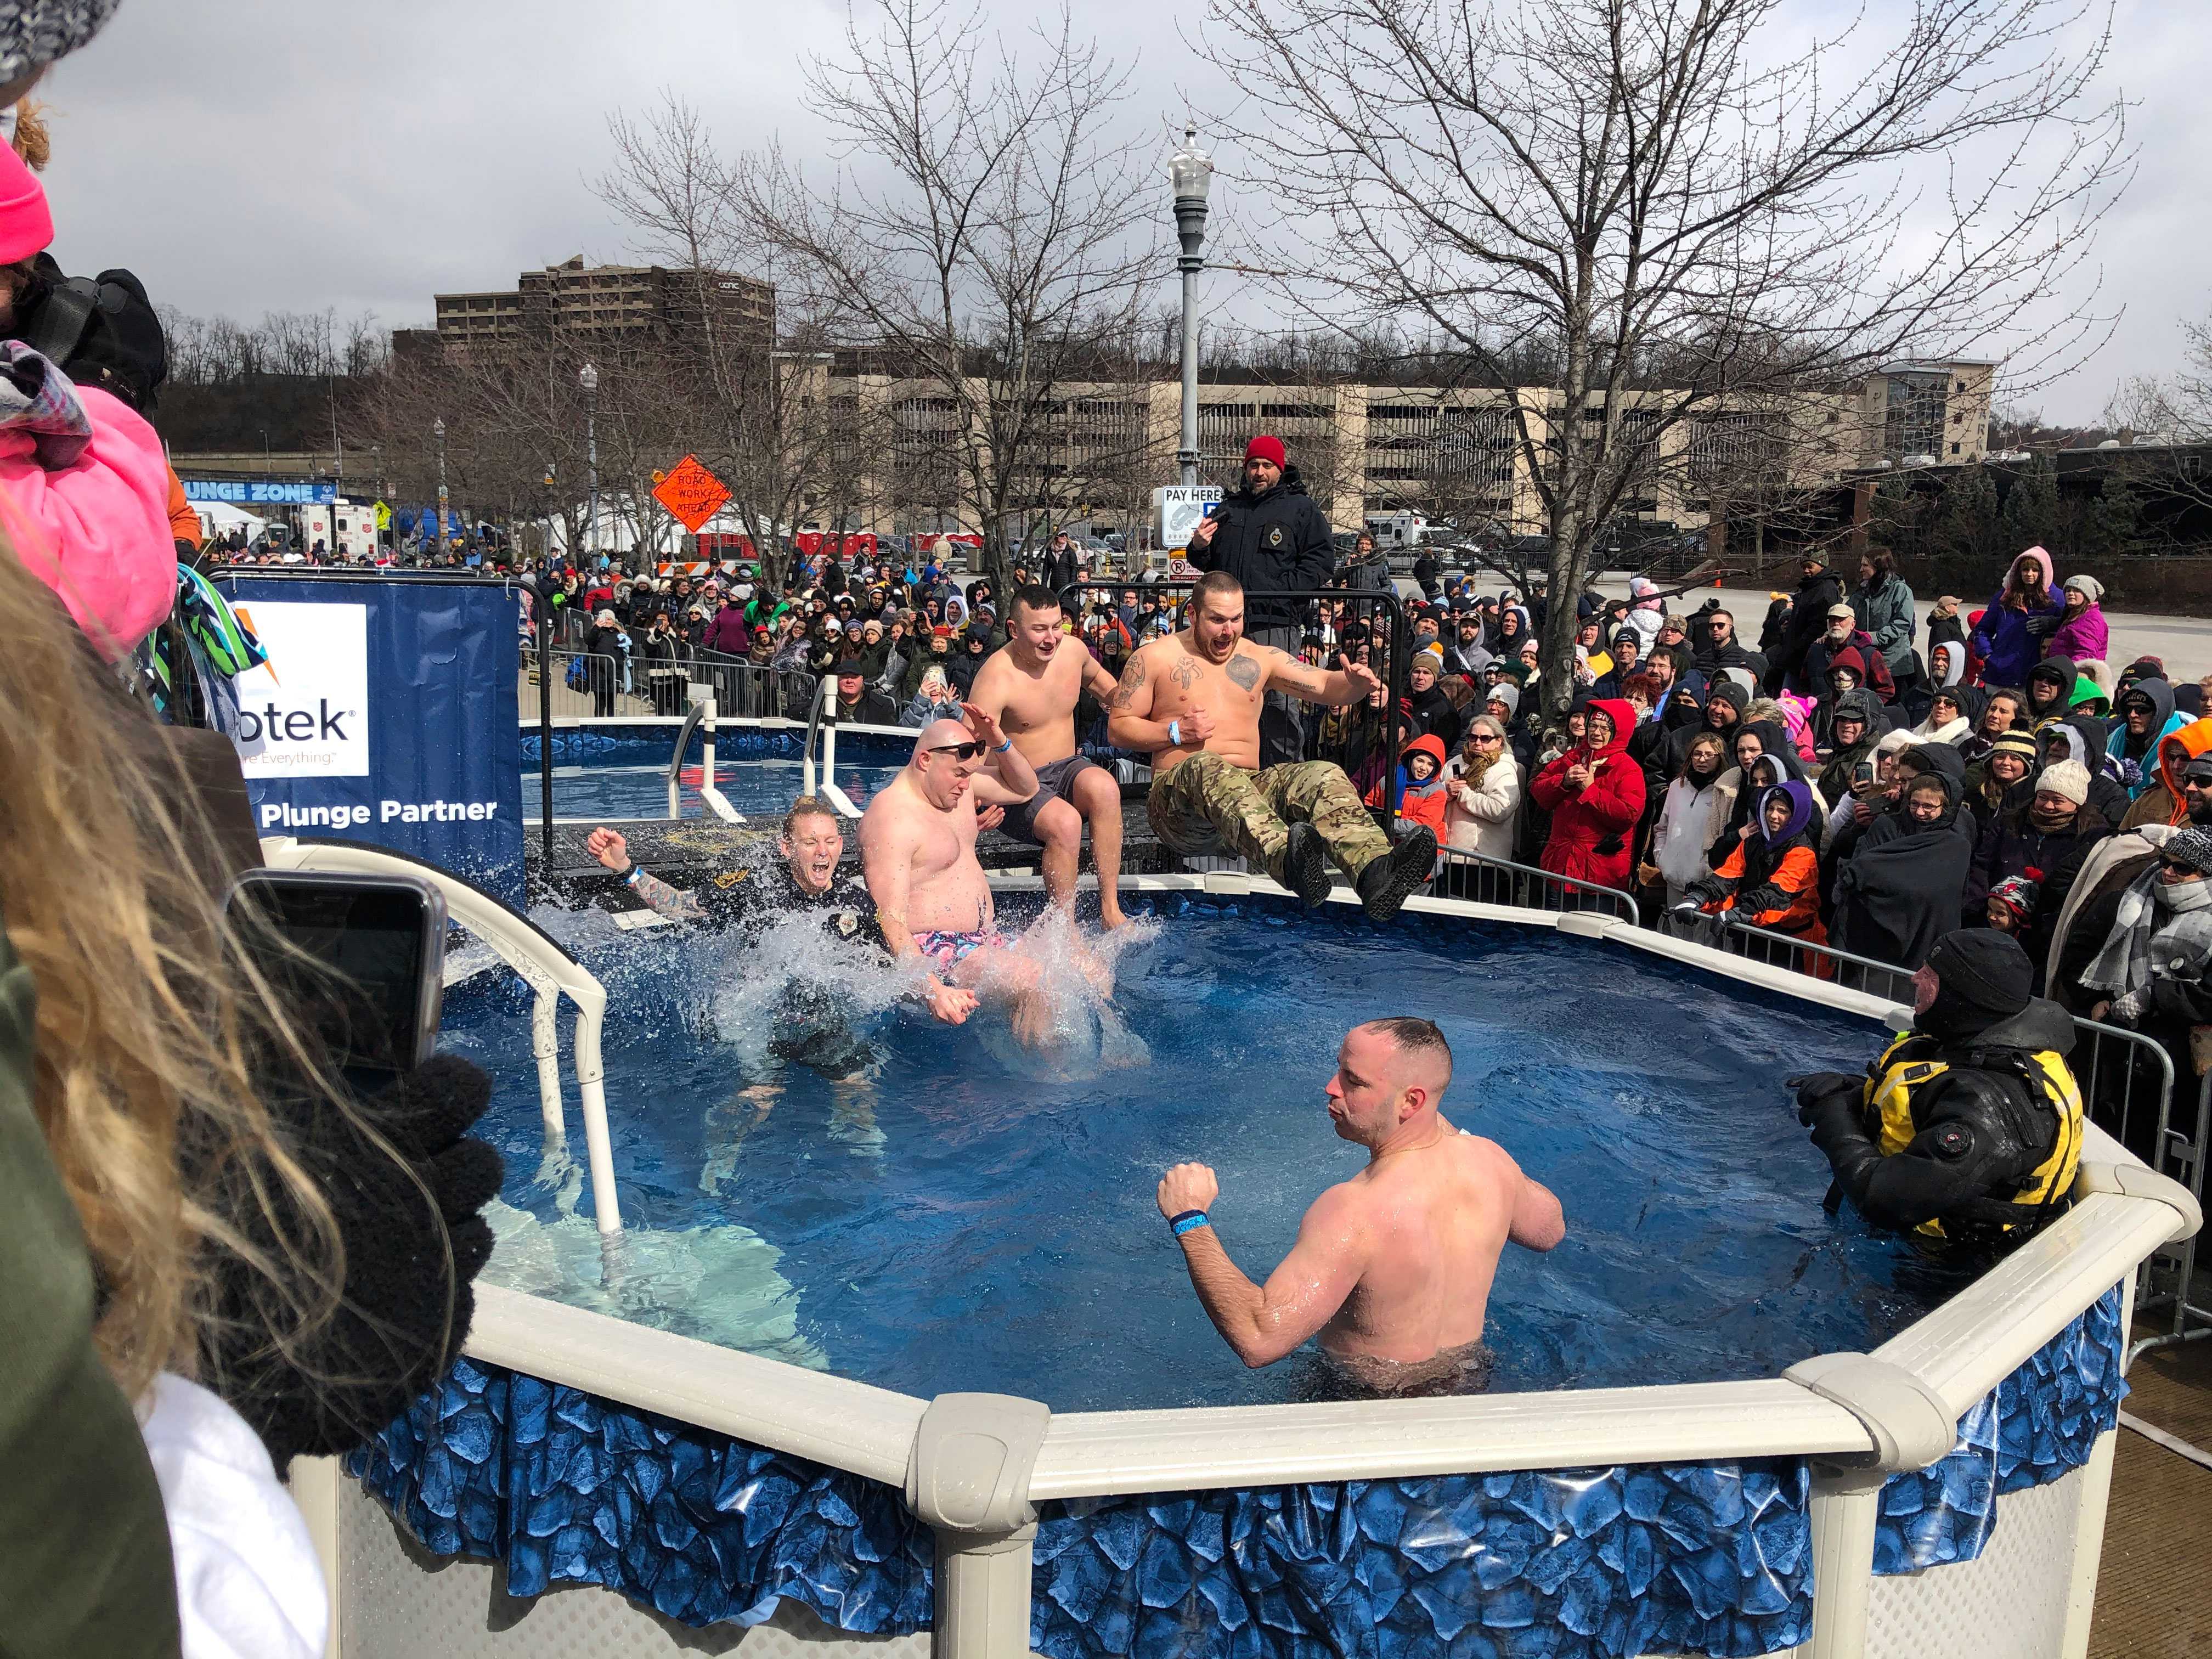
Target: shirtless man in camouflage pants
x,y
1191,701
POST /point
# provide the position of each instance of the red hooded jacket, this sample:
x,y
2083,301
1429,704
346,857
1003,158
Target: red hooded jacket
x,y
1592,829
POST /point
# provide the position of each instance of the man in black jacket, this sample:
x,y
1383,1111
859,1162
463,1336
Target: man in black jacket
x,y
1817,590
859,702
1274,539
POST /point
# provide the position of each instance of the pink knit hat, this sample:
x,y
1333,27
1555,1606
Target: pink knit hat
x,y
27,226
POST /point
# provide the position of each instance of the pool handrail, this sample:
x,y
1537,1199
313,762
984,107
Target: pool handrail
x,y
550,970
693,717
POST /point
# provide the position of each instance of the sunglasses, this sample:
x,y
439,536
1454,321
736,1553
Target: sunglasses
x,y
1484,737
962,752
2176,867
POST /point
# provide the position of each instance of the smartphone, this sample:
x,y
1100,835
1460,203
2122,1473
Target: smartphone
x,y
358,960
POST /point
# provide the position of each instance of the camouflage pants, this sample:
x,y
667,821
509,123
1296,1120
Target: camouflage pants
x,y
1207,803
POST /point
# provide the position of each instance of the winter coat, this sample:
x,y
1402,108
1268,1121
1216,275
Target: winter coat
x,y
1807,621
2011,845
1418,803
1275,543
2164,802
97,530
727,633
1873,670
1686,827
1481,817
1590,830
2139,770
2082,638
2009,640
1884,608
1774,886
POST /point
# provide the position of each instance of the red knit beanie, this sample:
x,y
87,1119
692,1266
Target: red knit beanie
x,y
1263,446
26,225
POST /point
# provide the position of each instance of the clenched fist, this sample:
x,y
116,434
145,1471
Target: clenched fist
x,y
1188,1187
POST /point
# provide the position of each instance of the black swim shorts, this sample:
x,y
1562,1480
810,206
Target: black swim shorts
x,y
1055,780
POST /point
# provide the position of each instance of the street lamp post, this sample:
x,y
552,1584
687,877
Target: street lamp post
x,y
588,377
438,431
1191,172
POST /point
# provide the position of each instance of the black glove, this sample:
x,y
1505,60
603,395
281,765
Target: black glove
x,y
1819,1092
1707,890
326,1387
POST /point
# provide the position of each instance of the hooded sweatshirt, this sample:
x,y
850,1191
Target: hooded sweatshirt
x,y
2138,756
2164,802
1590,827
1773,876
2007,639
1423,802
2050,686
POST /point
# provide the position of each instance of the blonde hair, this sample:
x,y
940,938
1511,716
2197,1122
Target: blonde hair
x,y
33,139
151,1020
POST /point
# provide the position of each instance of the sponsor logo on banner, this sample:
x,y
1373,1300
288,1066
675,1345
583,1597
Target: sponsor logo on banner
x,y
304,714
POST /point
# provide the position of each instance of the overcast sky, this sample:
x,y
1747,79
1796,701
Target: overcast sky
x,y
245,155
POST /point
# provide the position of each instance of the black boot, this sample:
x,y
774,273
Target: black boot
x,y
1305,865
1386,884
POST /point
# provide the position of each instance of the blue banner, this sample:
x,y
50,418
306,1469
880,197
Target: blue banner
x,y
386,713
260,492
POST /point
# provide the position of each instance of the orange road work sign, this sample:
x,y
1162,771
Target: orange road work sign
x,y
690,493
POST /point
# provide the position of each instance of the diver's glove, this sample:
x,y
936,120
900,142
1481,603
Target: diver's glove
x,y
1819,1093
309,1386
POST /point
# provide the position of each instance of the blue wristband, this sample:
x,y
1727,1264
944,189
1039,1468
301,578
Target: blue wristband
x,y
1188,1221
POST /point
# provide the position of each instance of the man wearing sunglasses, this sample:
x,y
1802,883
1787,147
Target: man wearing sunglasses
x,y
918,855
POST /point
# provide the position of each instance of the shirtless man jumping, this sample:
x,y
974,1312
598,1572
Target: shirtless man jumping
x,y
918,855
1393,1268
1191,701
1030,689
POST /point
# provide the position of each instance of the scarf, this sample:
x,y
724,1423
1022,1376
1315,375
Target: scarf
x,y
2155,923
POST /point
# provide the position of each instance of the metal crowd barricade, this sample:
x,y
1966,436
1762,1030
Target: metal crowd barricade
x,y
587,686
745,690
1824,962
1377,610
2126,1080
1481,879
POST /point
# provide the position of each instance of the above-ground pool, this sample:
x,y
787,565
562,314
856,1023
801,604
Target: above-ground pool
x,y
613,772
964,1215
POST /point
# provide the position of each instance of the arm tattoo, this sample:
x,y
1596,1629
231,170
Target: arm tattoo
x,y
1185,673
666,900
1244,670
1132,677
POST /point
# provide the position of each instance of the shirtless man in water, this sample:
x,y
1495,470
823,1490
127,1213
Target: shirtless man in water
x,y
1191,701
1031,688
1393,1268
918,855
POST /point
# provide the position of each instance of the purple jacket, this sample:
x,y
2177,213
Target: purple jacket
x,y
2082,640
727,632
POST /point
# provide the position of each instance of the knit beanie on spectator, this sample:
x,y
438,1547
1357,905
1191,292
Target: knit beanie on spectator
x,y
2087,587
2022,743
27,226
2192,846
34,33
2017,895
2069,778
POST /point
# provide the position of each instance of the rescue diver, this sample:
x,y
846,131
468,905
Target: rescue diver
x,y
1968,1126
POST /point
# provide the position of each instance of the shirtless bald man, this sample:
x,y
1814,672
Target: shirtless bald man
x,y
918,856
1030,688
1393,1268
1191,701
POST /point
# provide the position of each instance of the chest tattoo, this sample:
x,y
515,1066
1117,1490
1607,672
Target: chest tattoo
x,y
1245,671
1186,671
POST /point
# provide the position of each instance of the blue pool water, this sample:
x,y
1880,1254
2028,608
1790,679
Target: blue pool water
x,y
968,1219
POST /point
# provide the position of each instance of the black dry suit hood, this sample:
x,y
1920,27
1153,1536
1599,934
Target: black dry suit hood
x,y
1983,996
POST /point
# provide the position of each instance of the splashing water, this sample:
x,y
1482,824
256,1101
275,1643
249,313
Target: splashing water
x,y
1057,987
797,990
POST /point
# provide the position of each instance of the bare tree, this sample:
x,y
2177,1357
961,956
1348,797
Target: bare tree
x,y
1672,206
981,234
